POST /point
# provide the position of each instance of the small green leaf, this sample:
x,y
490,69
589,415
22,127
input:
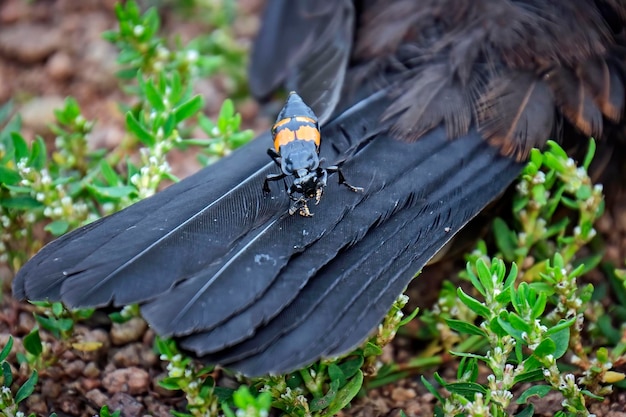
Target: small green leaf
x,y
545,348
561,342
188,108
32,343
464,327
142,134
9,176
503,321
57,227
223,393
473,304
321,403
345,394
226,112
109,173
115,192
7,374
590,153
336,374
350,367
372,350
6,349
57,309
466,389
408,318
20,203
153,96
538,390
38,154
583,192
557,150
432,390
592,395
505,238
26,389
20,146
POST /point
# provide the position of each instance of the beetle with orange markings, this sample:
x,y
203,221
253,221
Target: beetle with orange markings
x,y
296,149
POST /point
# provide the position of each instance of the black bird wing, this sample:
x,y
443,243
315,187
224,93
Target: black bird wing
x,y
439,114
305,46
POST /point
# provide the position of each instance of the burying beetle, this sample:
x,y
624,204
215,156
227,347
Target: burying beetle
x,y
296,150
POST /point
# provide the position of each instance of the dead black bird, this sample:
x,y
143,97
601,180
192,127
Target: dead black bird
x,y
434,104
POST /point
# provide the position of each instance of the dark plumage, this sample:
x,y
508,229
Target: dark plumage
x,y
434,105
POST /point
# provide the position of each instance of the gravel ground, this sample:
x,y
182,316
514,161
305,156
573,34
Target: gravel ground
x,y
53,49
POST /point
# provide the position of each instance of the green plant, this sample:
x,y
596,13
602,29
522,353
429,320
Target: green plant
x,y
9,401
527,324
322,389
65,186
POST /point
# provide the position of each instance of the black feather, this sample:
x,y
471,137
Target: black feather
x,y
313,59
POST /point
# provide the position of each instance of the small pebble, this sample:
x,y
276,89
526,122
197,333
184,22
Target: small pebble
x,y
132,380
89,384
59,66
128,406
38,113
400,394
75,368
91,370
97,397
29,43
131,331
36,404
50,388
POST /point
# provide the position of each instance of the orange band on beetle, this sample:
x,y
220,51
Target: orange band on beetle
x,y
307,132
281,122
283,137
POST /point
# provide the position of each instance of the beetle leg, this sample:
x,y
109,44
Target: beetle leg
x,y
300,205
274,155
321,184
271,177
304,211
342,179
